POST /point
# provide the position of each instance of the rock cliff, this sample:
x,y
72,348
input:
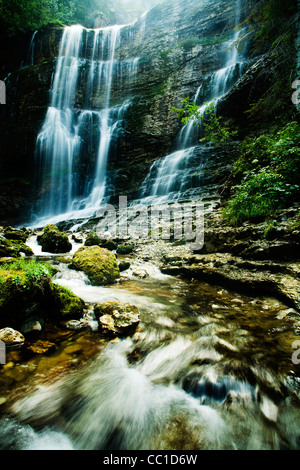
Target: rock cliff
x,y
178,45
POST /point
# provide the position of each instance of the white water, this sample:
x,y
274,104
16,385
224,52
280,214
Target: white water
x,y
70,134
180,383
170,177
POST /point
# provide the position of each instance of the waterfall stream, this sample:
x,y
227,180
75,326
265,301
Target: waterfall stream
x,y
207,369
178,175
70,134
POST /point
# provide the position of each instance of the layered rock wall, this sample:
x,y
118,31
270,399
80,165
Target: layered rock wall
x,y
179,46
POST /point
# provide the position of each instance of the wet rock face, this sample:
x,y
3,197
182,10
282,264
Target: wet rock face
x,y
178,47
253,258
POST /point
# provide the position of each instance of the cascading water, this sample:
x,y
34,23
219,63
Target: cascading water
x,y
75,141
178,175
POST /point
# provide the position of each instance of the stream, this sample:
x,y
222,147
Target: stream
x,y
206,369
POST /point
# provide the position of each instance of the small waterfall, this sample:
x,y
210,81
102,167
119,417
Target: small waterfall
x,y
81,126
30,58
172,177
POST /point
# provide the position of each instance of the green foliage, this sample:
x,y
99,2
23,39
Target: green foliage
x,y
29,274
269,20
27,15
30,15
268,169
211,125
189,43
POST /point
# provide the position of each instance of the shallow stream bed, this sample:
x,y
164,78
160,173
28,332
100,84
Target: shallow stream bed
x,y
206,369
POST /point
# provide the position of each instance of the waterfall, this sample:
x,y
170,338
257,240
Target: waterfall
x,y
75,141
30,58
172,177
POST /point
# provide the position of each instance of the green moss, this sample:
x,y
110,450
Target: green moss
x,y
13,248
125,249
99,264
67,304
53,240
27,290
93,239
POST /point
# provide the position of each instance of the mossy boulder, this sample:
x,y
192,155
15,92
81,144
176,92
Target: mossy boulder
x,y
27,292
20,235
13,248
117,319
99,264
93,239
52,240
66,305
125,249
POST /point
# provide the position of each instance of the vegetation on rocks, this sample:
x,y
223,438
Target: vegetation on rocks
x,y
268,174
99,264
27,291
212,128
53,240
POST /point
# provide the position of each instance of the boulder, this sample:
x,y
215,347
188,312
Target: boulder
x,y
11,337
66,305
117,319
125,249
13,248
124,265
93,239
99,264
53,240
16,234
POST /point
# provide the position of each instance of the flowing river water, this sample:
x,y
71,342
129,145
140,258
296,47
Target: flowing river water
x,y
206,369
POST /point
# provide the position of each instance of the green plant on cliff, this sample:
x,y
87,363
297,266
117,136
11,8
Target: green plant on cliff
x,y
268,174
211,125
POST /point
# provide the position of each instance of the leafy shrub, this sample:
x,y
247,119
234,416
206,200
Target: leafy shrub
x,y
268,169
211,126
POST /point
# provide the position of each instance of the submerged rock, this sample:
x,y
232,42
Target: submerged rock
x,y
52,240
99,264
41,347
117,319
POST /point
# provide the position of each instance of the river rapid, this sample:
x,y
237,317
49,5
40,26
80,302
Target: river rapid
x,y
206,369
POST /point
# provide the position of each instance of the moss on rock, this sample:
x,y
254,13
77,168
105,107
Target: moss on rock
x,y
27,291
93,239
99,264
13,248
66,305
52,240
